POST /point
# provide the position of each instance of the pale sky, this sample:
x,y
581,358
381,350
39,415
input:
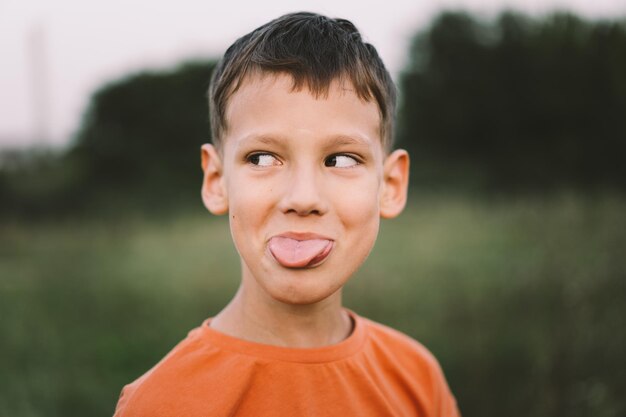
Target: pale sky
x,y
83,44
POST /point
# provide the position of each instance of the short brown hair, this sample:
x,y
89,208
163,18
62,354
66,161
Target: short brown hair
x,y
315,50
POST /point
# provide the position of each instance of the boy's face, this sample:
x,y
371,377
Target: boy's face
x,y
305,182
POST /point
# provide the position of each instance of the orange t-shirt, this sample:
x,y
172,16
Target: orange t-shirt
x,y
376,371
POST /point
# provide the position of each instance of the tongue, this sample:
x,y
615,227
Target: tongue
x,y
294,253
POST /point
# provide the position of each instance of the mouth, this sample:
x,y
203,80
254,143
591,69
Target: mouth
x,y
294,251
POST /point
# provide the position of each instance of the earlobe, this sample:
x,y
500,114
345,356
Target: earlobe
x,y
214,193
395,184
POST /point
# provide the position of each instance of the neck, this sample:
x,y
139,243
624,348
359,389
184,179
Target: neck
x,y
258,318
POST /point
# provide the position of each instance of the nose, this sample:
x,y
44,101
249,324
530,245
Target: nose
x,y
304,194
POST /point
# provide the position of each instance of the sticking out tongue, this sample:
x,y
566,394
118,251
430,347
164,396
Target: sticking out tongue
x,y
294,253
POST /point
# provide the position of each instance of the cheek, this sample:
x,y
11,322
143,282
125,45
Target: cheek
x,y
359,209
360,218
249,207
248,196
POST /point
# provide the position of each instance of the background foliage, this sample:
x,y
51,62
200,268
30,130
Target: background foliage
x,y
508,263
521,300
138,149
529,104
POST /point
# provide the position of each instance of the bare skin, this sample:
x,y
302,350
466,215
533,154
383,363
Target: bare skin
x,y
274,323
299,169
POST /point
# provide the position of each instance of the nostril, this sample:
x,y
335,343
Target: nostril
x,y
304,212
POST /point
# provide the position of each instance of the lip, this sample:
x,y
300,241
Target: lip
x,y
302,236
305,236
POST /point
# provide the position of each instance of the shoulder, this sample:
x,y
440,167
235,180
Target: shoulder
x,y
410,366
387,339
165,376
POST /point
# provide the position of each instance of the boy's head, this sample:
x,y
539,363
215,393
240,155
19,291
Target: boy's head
x,y
304,173
314,51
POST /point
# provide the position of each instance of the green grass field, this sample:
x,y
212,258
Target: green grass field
x,y
522,300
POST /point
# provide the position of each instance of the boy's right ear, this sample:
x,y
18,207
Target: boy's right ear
x,y
214,193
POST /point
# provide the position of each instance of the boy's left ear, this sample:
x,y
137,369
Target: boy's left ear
x,y
395,184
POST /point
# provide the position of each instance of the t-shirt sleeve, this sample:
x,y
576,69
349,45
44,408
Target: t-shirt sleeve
x,y
444,402
123,403
126,395
123,400
417,367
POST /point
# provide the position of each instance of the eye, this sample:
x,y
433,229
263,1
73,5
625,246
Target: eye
x,y
263,159
340,161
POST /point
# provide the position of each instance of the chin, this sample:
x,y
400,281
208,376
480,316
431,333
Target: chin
x,y
301,290
299,299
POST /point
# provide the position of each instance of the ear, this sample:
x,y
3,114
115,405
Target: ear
x,y
213,189
395,184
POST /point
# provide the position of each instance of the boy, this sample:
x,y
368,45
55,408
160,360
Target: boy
x,y
302,119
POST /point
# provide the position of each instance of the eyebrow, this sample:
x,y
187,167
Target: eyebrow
x,y
348,140
330,141
266,139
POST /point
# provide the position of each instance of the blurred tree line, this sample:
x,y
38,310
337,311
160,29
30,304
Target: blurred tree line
x,y
138,148
517,104
142,136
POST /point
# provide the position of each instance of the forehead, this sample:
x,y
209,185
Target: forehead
x,y
268,103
